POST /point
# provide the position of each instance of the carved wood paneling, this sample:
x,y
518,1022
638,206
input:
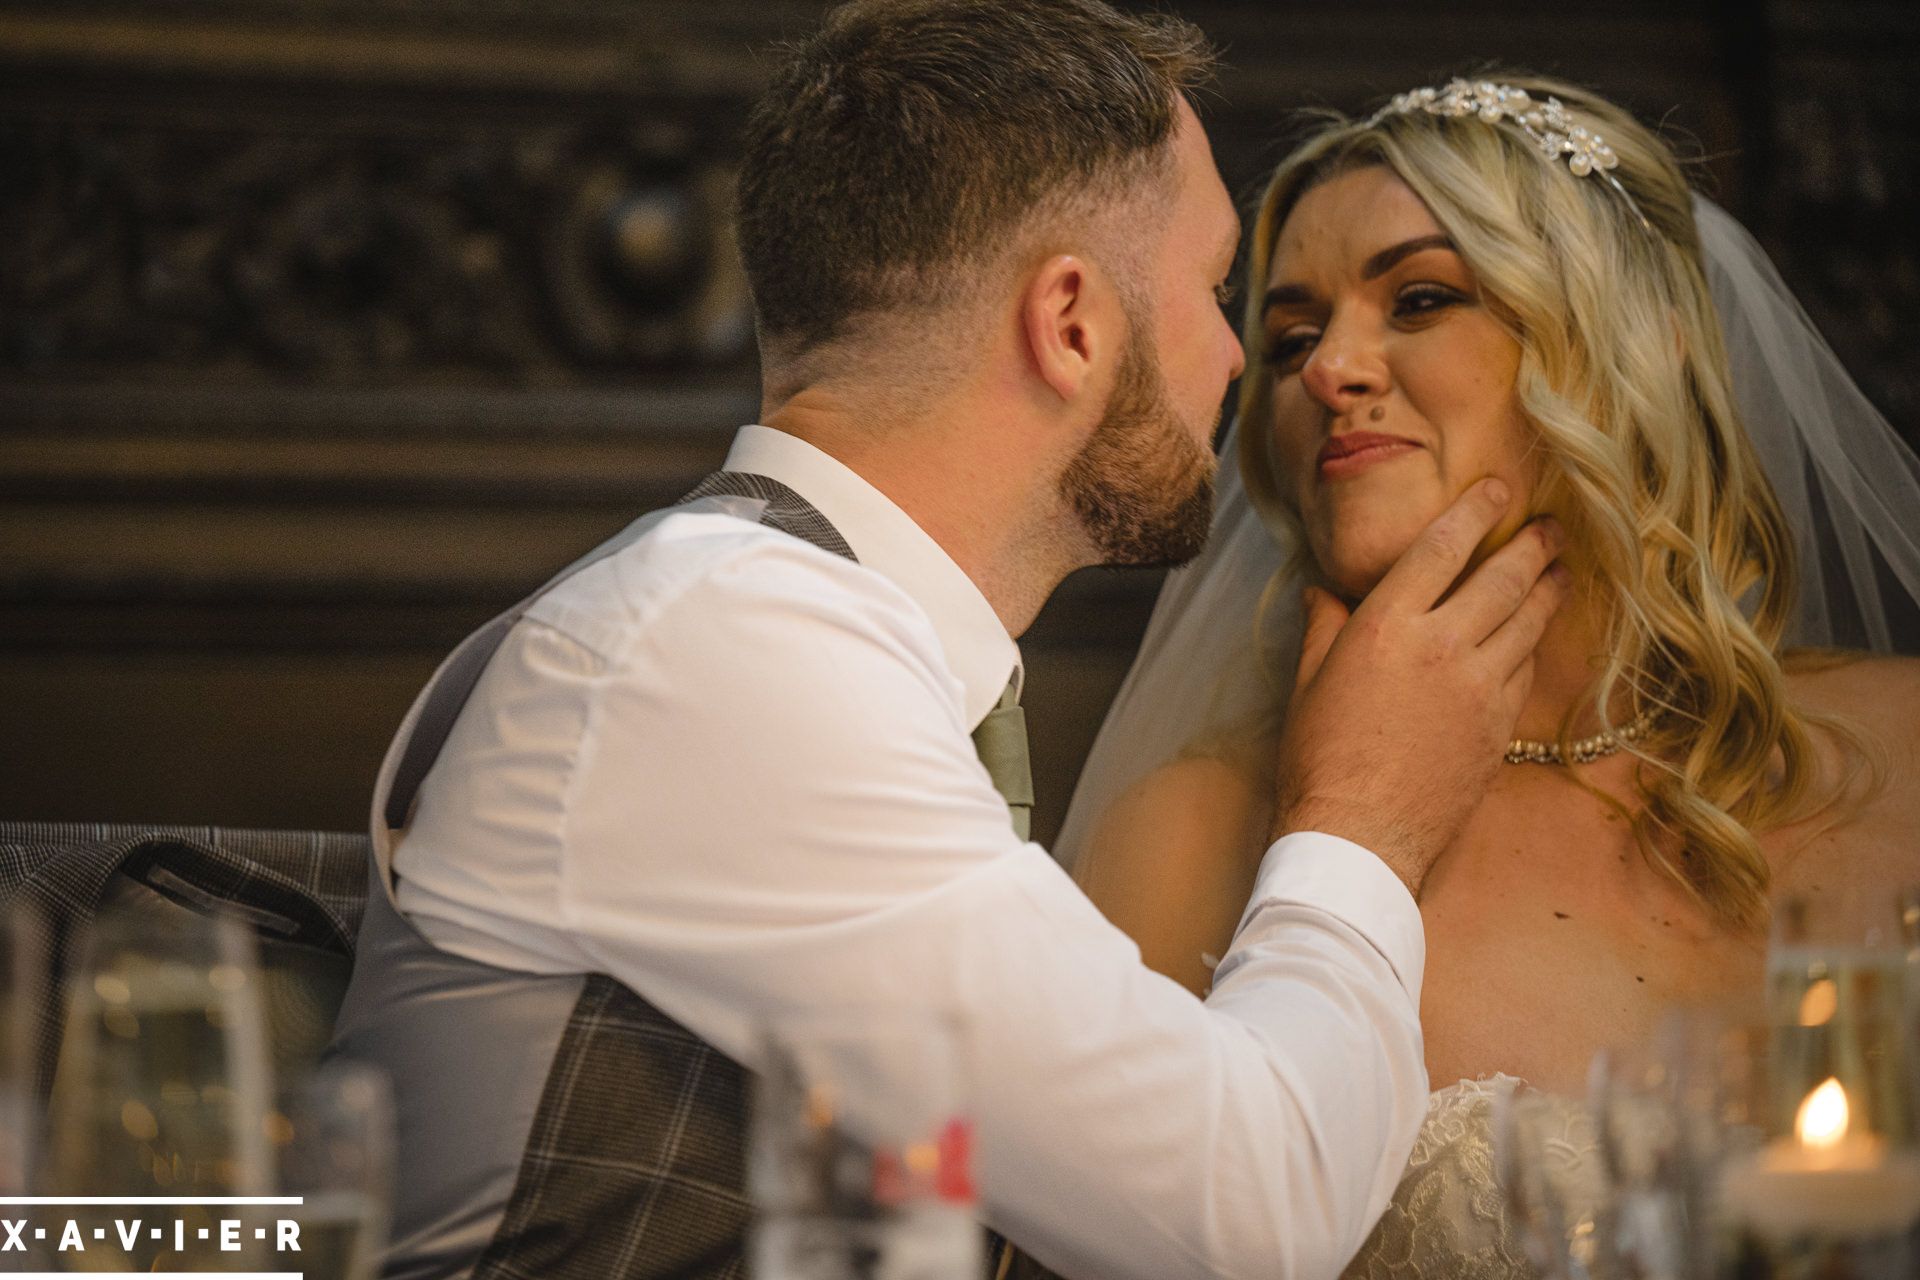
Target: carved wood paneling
x,y
328,327
375,251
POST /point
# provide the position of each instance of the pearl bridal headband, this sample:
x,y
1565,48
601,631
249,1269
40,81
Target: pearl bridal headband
x,y
1547,124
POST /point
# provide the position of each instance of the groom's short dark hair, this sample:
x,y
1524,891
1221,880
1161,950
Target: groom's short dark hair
x,y
907,140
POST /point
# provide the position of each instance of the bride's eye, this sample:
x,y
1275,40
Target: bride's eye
x,y
1419,300
1287,351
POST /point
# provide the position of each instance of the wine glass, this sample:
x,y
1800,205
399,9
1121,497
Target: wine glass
x,y
859,1150
161,1090
333,1134
1621,1184
1667,1113
1544,1156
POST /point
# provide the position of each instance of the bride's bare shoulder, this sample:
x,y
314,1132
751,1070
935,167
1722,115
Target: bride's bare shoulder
x,y
1880,696
1869,845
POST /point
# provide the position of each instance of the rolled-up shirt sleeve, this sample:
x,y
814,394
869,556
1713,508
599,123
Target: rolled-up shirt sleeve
x,y
772,805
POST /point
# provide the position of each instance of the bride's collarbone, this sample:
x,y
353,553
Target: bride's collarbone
x,y
1608,923
1540,834
1549,935
1536,988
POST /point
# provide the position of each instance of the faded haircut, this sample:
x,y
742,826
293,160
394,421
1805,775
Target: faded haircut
x,y
903,148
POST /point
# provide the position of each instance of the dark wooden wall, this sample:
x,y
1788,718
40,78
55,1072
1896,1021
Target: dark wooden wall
x,y
328,327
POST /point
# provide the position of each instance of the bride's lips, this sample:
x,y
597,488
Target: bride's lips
x,y
1354,452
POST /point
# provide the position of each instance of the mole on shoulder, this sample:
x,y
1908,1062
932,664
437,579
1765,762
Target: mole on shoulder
x,y
1638,978
1561,915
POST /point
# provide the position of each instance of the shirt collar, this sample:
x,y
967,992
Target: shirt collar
x,y
886,540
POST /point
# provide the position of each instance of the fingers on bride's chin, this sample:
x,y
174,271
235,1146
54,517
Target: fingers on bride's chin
x,y
1500,536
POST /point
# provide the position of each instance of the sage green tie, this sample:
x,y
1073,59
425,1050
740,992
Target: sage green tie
x,y
1001,741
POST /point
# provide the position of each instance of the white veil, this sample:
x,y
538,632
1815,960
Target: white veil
x,y
1849,486
1219,651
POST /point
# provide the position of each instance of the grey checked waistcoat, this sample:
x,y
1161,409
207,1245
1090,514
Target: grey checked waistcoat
x,y
550,1127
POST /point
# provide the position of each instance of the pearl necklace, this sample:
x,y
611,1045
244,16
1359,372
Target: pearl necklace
x,y
1586,750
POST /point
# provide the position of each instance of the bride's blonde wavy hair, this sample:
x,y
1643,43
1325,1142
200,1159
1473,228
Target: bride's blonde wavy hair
x,y
1623,373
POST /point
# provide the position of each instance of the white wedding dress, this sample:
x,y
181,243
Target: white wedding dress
x,y
1449,1219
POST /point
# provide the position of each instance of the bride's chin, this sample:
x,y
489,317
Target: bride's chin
x,y
1354,548
1351,581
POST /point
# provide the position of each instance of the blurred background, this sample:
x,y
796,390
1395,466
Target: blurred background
x,y
328,328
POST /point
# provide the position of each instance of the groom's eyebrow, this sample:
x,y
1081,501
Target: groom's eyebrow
x,y
1230,249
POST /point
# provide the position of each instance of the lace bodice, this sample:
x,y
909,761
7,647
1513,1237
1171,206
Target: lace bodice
x,y
1448,1219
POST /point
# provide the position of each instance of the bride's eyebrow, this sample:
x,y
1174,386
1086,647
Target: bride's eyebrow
x,y
1286,295
1389,258
1298,295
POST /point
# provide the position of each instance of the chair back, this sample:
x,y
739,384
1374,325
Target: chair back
x,y
301,892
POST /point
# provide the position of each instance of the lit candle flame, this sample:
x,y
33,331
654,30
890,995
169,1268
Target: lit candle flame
x,y
1822,1119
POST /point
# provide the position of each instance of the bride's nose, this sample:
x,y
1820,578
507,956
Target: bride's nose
x,y
1346,368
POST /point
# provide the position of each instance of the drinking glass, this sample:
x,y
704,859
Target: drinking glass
x,y
161,1090
860,1150
333,1133
1666,1116
1622,1184
1908,909
1545,1157
22,969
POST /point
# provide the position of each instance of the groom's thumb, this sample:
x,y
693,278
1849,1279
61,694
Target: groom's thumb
x,y
1325,617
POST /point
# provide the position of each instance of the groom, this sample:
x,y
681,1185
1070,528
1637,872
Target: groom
x,y
759,755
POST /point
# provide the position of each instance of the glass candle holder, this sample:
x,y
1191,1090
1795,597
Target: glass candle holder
x,y
1833,1189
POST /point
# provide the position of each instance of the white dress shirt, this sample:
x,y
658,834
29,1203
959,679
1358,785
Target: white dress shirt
x,y
733,771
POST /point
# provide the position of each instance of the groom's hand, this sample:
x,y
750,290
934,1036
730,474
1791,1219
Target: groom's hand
x,y
1402,710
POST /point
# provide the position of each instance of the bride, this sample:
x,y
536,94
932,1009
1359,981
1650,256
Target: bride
x,y
1514,280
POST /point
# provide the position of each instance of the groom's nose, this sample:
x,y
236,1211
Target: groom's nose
x,y
1235,352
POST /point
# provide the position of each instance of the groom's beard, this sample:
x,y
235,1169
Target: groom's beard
x,y
1142,487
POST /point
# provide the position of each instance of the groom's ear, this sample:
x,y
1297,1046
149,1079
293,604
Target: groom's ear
x,y
1070,318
